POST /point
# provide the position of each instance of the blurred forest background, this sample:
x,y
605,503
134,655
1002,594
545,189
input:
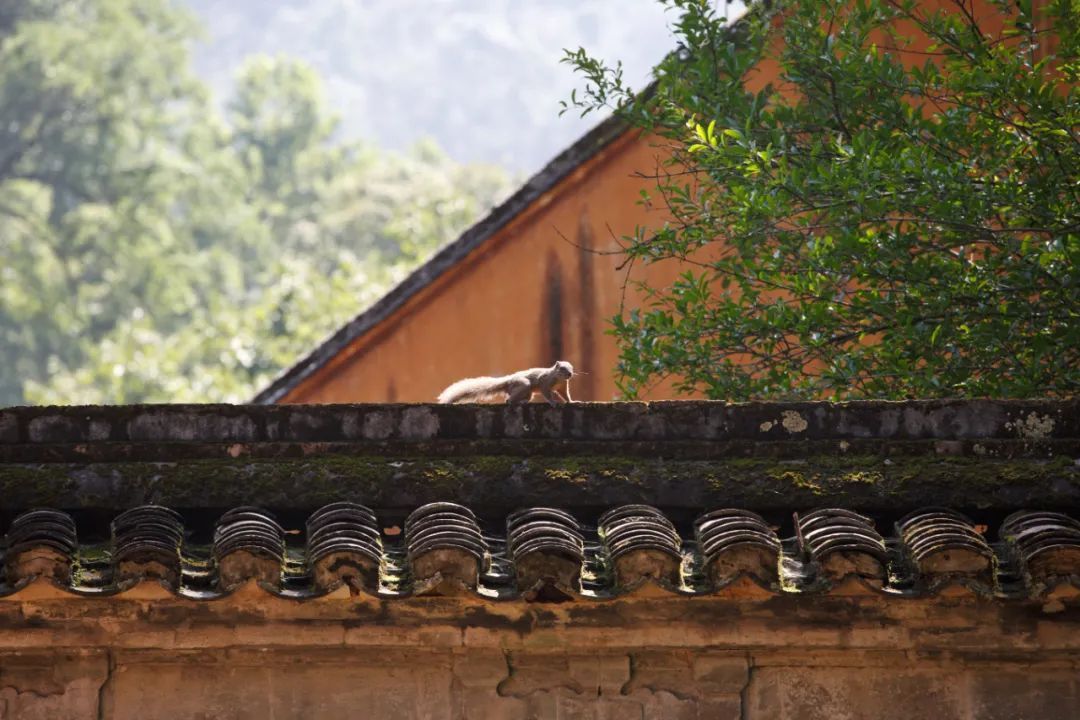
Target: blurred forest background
x,y
185,209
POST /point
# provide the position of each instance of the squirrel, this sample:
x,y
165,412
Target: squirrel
x,y
517,387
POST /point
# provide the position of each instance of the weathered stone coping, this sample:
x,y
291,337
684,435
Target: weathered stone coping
x,y
1031,421
871,456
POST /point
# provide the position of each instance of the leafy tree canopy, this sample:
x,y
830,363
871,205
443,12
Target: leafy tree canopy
x,y
154,248
892,212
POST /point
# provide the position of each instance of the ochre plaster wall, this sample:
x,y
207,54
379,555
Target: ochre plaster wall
x,y
650,685
538,291
145,655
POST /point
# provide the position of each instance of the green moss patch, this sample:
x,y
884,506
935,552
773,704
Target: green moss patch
x,y
501,482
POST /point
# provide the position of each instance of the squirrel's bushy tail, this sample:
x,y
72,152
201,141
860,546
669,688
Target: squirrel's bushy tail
x,y
474,390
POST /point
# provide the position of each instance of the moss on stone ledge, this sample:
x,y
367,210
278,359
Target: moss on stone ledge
x,y
500,483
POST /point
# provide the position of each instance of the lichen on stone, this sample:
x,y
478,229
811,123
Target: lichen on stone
x,y
793,422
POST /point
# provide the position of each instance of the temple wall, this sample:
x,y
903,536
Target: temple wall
x,y
984,627
639,683
145,655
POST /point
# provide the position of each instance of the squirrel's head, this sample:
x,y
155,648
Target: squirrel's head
x,y
564,370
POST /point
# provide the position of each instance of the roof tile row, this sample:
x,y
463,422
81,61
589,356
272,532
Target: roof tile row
x,y
547,554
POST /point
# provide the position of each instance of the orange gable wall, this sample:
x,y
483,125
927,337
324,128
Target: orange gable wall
x,y
527,296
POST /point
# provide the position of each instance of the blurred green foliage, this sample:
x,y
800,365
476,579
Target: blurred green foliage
x,y
882,219
155,247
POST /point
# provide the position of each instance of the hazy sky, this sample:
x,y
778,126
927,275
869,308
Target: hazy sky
x,y
482,77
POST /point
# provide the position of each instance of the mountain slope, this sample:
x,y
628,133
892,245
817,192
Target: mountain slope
x,y
481,77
